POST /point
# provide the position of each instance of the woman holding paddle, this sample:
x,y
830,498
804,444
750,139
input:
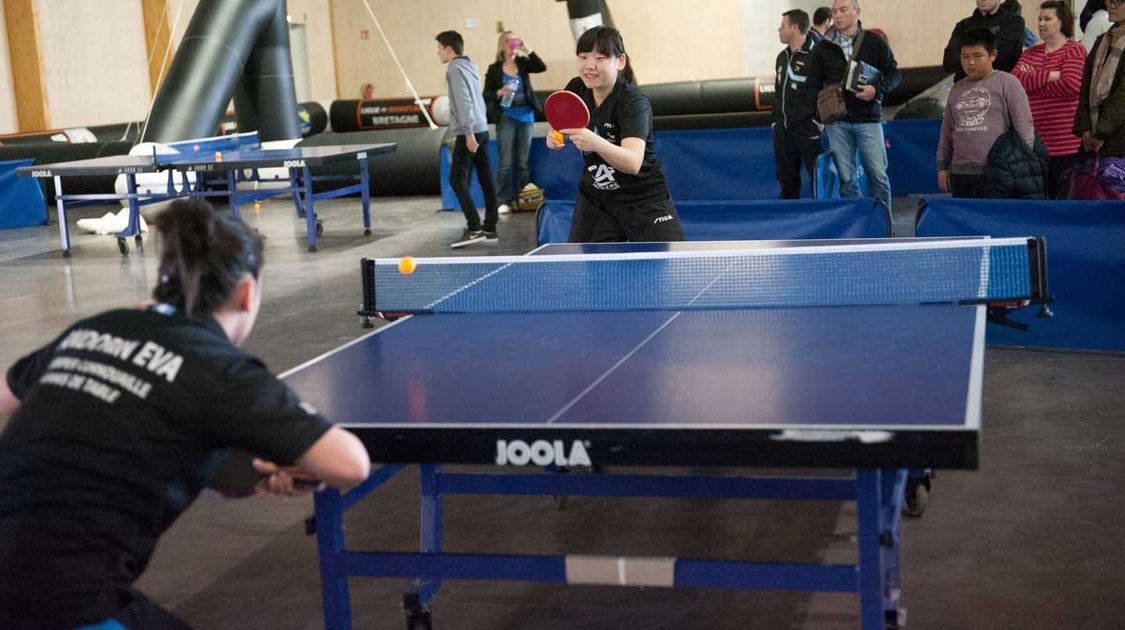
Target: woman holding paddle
x,y
622,195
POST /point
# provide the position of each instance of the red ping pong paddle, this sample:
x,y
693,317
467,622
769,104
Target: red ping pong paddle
x,y
566,110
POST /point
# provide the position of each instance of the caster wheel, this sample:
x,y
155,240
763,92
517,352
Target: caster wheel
x,y
122,247
319,228
417,617
917,498
139,243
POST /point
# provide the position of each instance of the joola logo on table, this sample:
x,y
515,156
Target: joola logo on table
x,y
293,164
541,453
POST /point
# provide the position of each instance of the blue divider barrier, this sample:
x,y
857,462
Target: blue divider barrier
x,y
727,220
1085,263
731,164
912,155
21,199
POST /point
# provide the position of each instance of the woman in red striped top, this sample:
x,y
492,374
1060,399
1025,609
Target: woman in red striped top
x,y
1051,73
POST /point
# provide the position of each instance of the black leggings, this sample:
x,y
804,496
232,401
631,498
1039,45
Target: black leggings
x,y
650,221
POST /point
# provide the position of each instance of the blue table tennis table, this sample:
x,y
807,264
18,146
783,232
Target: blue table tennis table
x,y
235,158
865,355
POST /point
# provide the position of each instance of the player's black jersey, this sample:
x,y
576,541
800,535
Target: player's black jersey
x,y
625,113
123,418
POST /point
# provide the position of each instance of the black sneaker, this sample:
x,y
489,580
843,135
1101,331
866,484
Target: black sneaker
x,y
468,237
490,234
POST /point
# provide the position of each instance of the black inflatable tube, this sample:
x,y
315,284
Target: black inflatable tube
x,y
265,97
207,66
413,169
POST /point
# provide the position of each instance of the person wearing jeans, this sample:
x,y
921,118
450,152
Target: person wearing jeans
x,y
470,129
512,106
861,130
845,139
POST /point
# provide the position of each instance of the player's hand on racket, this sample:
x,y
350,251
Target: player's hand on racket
x,y
285,481
584,139
555,140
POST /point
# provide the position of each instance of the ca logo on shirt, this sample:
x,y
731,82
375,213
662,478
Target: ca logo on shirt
x,y
604,177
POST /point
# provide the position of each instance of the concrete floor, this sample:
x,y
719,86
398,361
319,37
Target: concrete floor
x,y
1029,541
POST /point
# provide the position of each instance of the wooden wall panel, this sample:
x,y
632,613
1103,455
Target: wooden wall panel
x,y
9,117
158,27
25,52
94,61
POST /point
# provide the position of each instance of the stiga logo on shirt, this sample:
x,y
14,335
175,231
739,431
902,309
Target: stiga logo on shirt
x,y
541,453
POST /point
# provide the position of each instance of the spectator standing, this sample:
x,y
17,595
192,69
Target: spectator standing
x,y
796,135
981,108
469,126
861,130
1007,28
822,20
512,106
1100,118
1051,74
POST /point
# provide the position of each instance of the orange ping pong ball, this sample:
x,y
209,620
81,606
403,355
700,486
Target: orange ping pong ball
x,y
558,137
407,265
218,156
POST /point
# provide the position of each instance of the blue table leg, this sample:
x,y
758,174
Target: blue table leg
x,y
310,215
232,193
893,491
295,191
869,493
365,195
64,230
134,227
431,529
330,548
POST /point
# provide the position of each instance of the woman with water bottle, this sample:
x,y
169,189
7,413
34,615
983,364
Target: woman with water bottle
x,y
512,107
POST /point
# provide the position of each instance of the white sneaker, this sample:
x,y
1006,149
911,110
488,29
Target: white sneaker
x,y
503,209
110,223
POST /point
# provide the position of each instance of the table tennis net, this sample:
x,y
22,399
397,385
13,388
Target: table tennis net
x,y
947,271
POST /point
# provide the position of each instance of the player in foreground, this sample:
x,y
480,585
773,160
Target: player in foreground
x,y
622,195
120,422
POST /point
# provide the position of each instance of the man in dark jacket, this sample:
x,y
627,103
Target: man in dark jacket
x,y
861,131
796,136
1006,26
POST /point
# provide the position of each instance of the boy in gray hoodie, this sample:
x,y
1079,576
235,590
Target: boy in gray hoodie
x,y
469,125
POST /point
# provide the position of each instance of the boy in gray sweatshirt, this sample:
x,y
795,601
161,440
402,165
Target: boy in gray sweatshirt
x,y
470,127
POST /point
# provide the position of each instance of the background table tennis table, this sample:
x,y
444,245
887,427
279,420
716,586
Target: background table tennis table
x,y
238,158
877,389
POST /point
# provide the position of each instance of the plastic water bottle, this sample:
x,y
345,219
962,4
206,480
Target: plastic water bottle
x,y
513,85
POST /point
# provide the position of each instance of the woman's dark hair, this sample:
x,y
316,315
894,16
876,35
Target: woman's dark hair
x,y
203,256
607,41
1062,10
979,36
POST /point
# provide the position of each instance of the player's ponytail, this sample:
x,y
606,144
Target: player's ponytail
x,y
607,41
204,255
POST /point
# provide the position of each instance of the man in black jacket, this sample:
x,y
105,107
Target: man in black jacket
x,y
1006,26
861,131
796,136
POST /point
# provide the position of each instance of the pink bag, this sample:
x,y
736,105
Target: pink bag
x,y
1084,184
